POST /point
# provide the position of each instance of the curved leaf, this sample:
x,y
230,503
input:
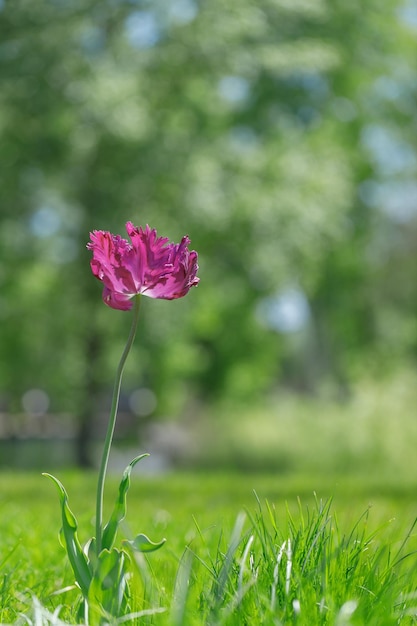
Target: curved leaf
x,y
142,543
75,553
119,511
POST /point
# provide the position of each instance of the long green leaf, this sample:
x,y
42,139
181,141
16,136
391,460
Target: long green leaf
x,y
119,511
75,553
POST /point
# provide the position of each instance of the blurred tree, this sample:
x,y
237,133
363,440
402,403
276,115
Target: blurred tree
x,y
241,124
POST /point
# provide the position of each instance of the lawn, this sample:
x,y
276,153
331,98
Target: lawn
x,y
241,549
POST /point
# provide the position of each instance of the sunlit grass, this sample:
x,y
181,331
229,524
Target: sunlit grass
x,y
282,555
372,432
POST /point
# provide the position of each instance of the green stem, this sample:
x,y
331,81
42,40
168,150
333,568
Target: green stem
x,y
112,422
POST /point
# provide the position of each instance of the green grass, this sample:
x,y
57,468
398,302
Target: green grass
x,y
302,550
372,432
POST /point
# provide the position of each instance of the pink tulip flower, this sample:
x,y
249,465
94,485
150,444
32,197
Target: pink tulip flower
x,y
149,265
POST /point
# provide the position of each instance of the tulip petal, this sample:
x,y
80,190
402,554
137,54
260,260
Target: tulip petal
x,y
149,265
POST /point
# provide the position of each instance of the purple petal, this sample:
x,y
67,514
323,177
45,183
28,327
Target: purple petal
x,y
117,300
150,265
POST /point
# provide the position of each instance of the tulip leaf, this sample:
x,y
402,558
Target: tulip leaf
x,y
119,511
108,593
90,552
75,553
142,543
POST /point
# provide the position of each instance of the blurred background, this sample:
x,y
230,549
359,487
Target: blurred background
x,y
280,135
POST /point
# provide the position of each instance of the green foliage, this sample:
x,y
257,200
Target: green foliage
x,y
310,562
119,511
372,433
71,542
249,126
102,573
107,594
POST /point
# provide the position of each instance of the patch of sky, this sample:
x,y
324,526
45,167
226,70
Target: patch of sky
x,y
312,82
408,13
286,312
142,29
45,222
182,11
234,89
397,90
387,88
368,192
395,199
243,139
308,115
59,223
92,40
315,83
390,154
